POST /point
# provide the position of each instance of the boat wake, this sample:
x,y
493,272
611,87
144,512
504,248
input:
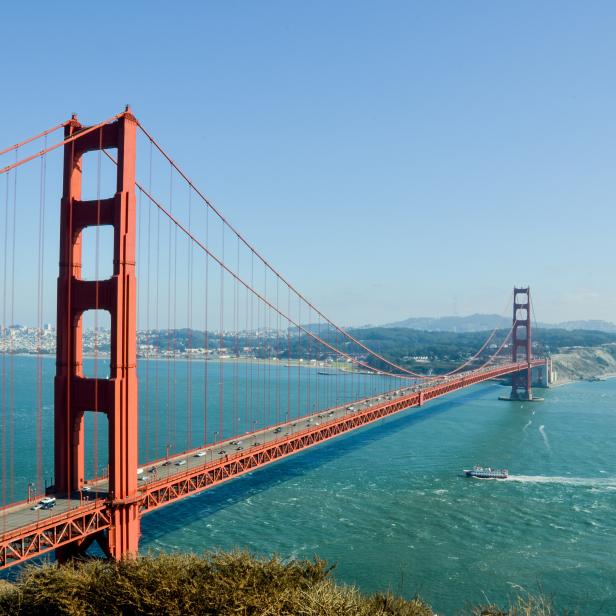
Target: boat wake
x,y
545,437
530,421
589,482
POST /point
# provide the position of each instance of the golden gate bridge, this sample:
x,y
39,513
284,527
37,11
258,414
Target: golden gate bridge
x,y
259,338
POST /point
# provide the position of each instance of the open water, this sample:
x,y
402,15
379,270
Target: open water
x,y
390,506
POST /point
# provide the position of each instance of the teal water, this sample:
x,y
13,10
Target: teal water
x,y
388,504
182,405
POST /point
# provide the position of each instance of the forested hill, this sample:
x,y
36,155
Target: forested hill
x,y
414,349
399,342
482,322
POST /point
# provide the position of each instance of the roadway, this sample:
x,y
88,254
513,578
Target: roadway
x,y
227,448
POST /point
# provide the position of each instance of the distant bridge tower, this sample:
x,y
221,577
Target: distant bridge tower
x,y
74,393
522,351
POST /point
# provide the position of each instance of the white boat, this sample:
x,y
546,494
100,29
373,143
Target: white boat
x,y
487,473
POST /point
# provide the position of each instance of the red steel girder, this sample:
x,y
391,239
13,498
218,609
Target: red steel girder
x,y
35,540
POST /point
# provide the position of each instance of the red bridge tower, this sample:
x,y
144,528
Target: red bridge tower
x,y
74,393
521,385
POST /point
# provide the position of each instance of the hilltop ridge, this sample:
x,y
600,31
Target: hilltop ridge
x,y
485,322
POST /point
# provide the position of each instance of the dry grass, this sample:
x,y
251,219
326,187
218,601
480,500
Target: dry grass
x,y
222,584
218,583
526,605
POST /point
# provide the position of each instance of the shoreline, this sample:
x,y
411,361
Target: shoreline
x,y
339,367
328,369
595,379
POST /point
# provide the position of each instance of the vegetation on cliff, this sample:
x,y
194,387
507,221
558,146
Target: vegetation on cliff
x,y
176,585
572,364
221,584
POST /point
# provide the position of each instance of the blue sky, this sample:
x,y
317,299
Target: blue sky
x,y
393,159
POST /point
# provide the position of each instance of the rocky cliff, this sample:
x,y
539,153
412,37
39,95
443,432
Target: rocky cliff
x,y
577,363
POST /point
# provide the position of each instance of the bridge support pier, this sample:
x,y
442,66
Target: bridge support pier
x,y
117,395
544,373
521,347
79,549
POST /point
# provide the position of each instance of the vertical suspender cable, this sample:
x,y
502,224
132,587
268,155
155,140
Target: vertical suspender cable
x,y
266,418
148,337
277,353
190,332
266,372
309,358
271,393
207,339
299,355
231,353
337,370
5,343
11,354
39,358
157,412
236,354
175,331
248,360
170,267
145,445
253,340
259,413
288,351
221,379
173,295
317,355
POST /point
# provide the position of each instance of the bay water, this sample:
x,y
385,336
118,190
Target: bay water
x,y
389,503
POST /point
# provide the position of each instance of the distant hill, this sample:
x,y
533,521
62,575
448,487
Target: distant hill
x,y
593,324
314,328
471,323
486,322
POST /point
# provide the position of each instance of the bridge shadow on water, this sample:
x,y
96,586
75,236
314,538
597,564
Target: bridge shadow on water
x,y
236,490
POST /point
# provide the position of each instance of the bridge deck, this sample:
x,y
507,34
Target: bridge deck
x,y
26,533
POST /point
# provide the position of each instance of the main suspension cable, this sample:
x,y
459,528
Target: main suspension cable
x,y
275,271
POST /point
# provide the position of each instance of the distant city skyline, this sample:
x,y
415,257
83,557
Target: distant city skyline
x,y
408,162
